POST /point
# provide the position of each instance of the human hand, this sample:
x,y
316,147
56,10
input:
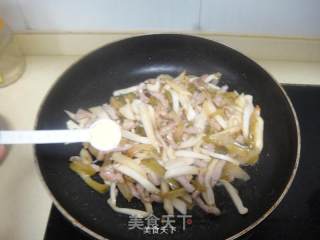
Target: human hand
x,y
2,152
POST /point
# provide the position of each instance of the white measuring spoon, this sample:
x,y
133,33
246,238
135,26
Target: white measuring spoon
x,y
104,135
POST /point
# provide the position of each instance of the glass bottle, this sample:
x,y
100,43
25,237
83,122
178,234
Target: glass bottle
x,y
12,61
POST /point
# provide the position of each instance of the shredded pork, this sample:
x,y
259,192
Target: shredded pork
x,y
181,138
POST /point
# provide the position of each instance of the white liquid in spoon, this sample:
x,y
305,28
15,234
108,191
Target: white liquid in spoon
x,y
105,134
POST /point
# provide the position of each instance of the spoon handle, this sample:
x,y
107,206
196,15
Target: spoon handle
x,y
44,136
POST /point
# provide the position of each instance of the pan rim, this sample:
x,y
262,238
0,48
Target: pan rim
x,y
92,233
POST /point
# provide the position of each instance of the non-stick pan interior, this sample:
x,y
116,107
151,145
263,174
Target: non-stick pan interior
x,y
91,81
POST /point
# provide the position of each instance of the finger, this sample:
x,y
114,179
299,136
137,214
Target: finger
x,y
2,152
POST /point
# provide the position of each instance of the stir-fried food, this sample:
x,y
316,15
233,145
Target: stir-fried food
x,y
181,137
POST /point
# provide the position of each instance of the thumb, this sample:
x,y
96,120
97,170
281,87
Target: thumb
x,y
2,152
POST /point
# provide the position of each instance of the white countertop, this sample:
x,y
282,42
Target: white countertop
x,y
25,204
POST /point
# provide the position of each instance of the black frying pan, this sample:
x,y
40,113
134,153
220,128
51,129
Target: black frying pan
x,y
121,64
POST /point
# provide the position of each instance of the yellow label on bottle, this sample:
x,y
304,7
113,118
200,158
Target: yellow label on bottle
x,y
1,79
1,24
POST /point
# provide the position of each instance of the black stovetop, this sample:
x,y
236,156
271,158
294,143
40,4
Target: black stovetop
x,y
298,216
